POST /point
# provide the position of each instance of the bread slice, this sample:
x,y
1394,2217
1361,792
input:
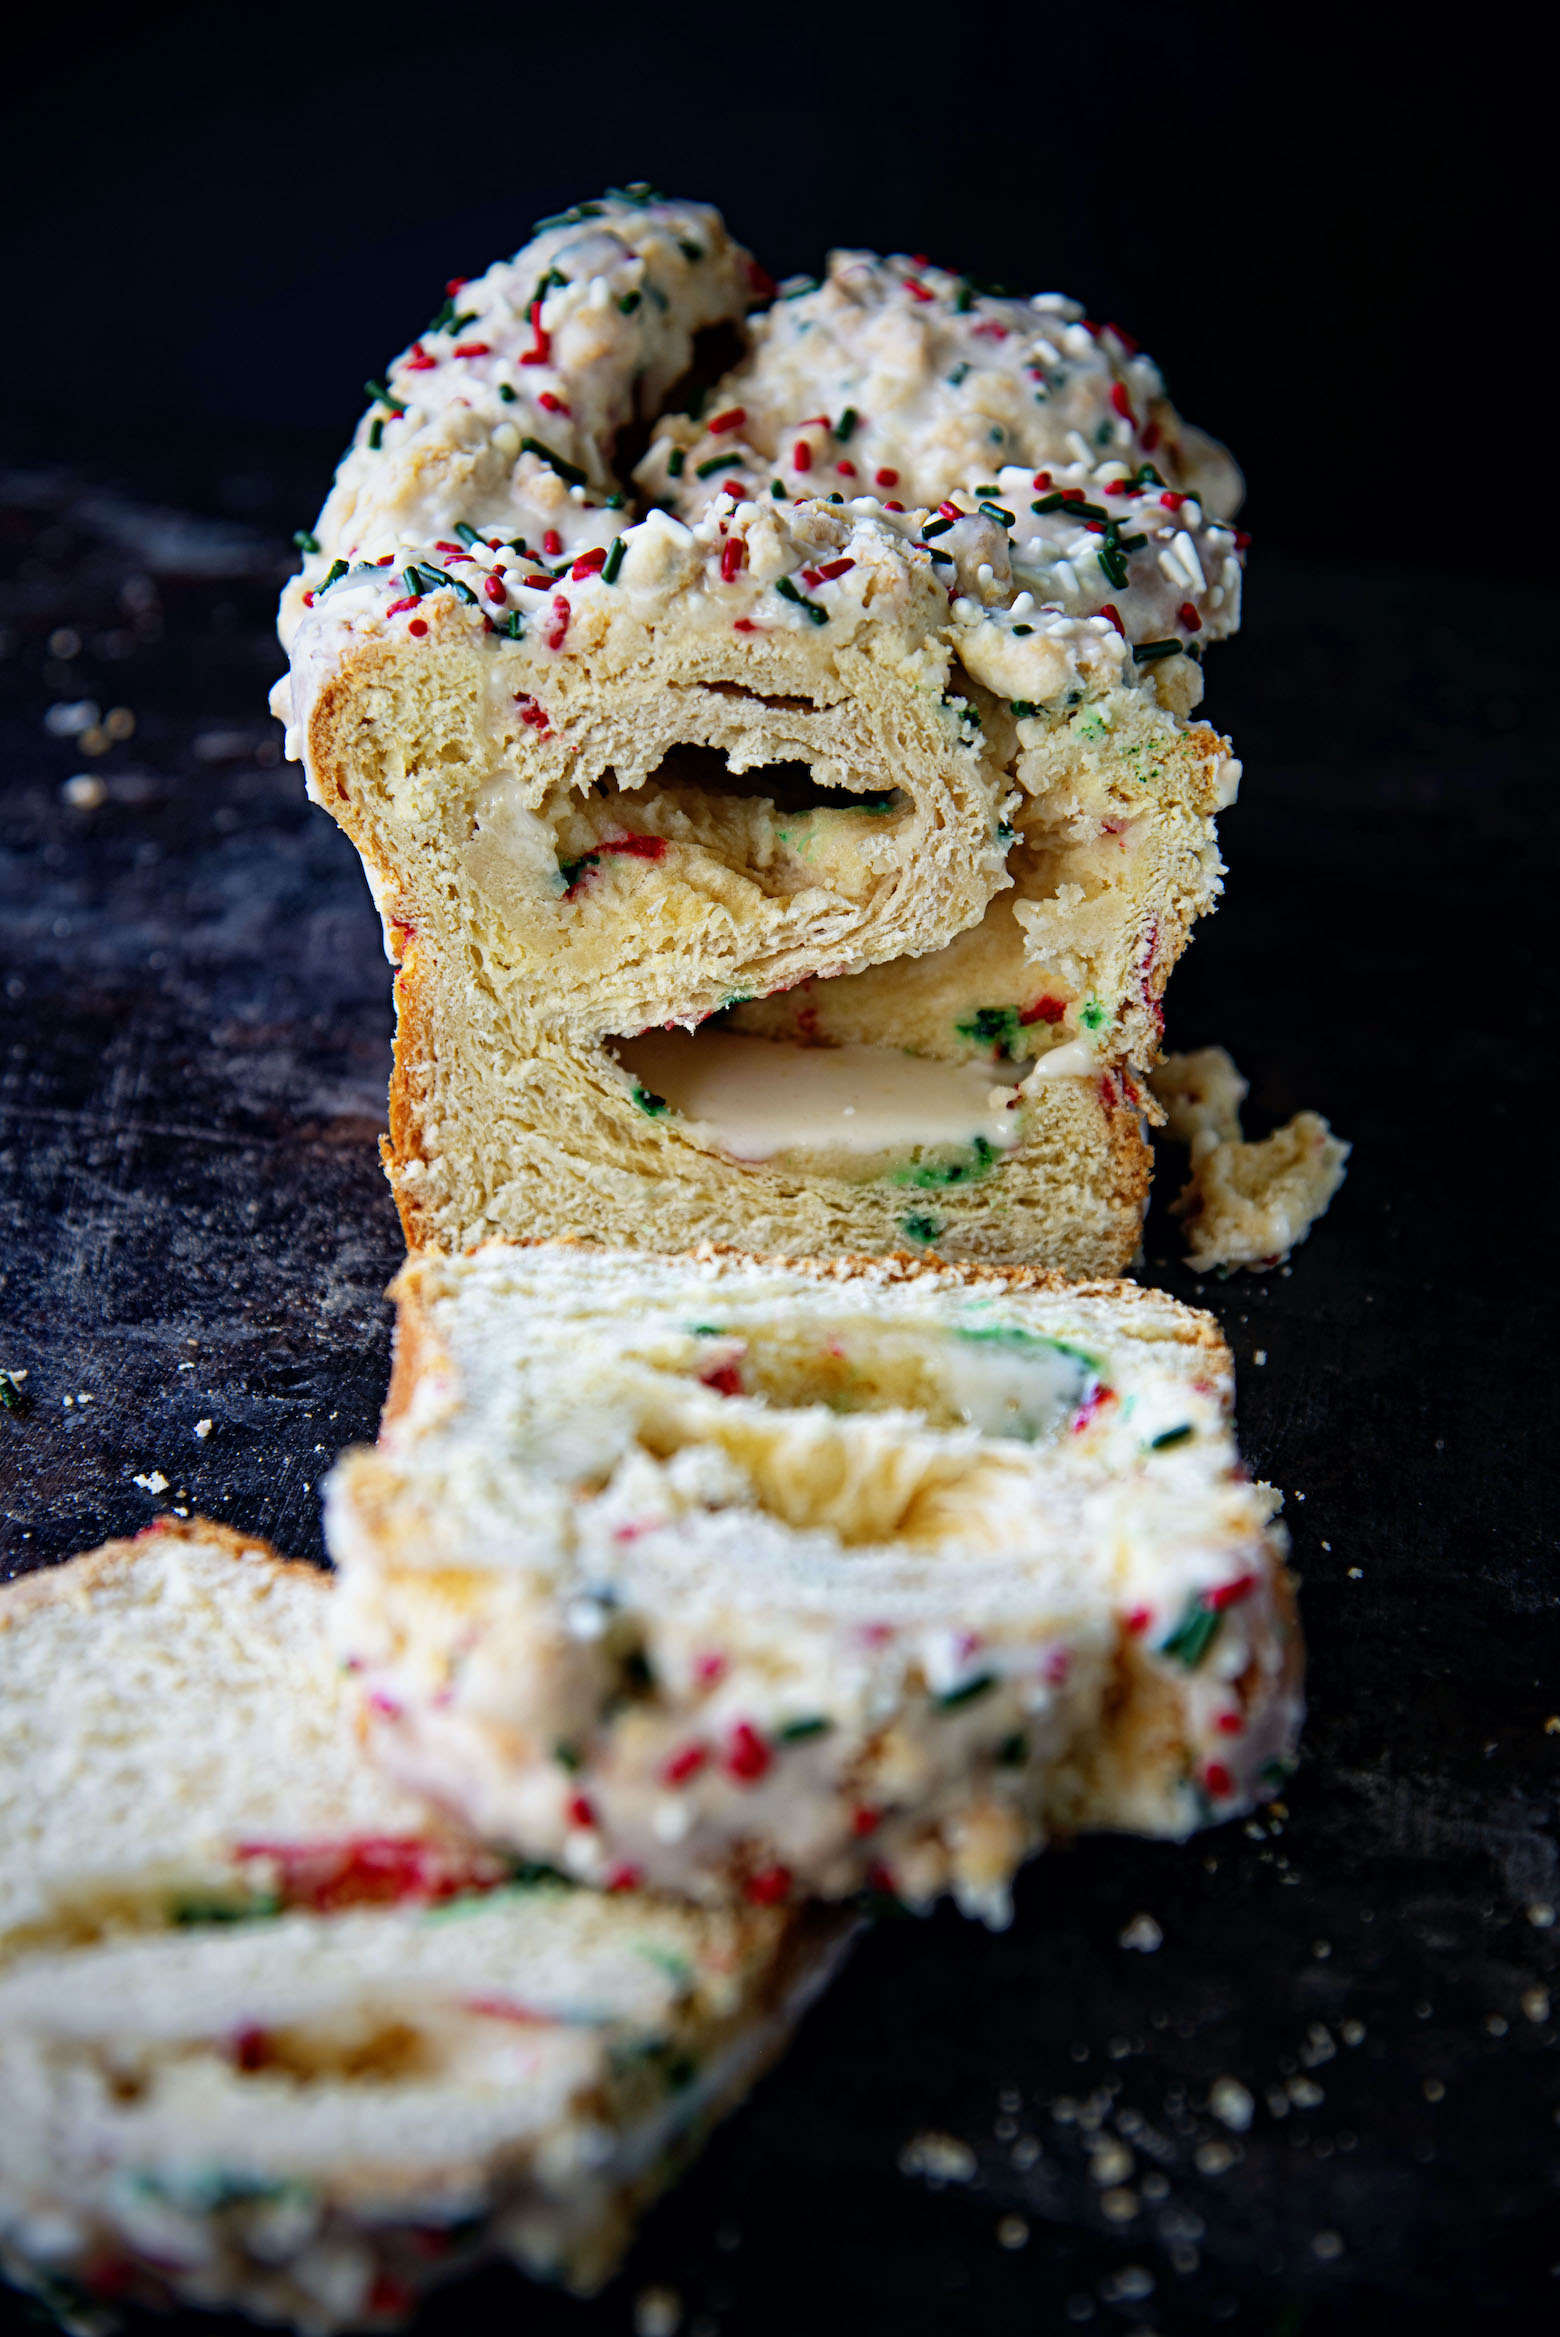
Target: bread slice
x,y
273,2036
748,1576
662,804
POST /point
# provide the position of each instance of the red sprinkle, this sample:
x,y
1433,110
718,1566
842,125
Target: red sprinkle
x,y
1149,438
865,1822
371,1869
396,606
710,1668
685,1764
552,543
748,1758
724,1378
530,712
760,281
1242,539
1122,403
1042,480
732,419
735,488
846,470
886,478
1109,609
1218,1780
635,847
625,1878
1092,1406
252,2048
308,600
506,2008
417,626
1189,617
493,586
579,1811
1058,1663
733,559
1229,1594
1131,347
456,284
893,507
801,456
1230,1724
554,405
1171,500
1139,1619
917,290
589,563
1043,1010
473,349
560,623
541,351
769,1886
417,359
950,511
746,625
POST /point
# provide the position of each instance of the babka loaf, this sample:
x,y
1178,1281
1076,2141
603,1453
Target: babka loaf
x,y
796,855
272,2034
737,1576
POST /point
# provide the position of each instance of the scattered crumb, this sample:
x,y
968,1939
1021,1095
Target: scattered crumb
x,y
153,1481
1327,2245
1213,2158
1202,1094
203,1429
1535,2003
1540,1914
939,2158
85,791
657,2312
1552,1725
1356,1574
1142,1933
1231,2104
1012,2232
1260,1356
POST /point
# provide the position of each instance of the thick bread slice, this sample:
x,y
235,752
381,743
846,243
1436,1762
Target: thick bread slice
x,y
312,2104
788,769
743,1575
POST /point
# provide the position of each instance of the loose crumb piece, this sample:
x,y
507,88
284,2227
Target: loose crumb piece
x,y
940,2158
1142,1933
1245,1204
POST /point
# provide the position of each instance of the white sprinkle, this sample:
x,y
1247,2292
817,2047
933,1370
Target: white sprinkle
x,y
203,1429
1231,2104
585,1619
1079,448
1142,1933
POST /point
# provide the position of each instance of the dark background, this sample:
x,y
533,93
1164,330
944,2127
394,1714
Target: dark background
x,y
1323,226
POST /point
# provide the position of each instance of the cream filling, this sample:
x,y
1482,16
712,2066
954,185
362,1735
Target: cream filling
x,y
754,1098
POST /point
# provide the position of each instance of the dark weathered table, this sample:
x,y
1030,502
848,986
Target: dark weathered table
x,y
192,1070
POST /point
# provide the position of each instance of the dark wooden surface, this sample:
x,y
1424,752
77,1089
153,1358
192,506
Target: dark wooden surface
x,y
193,1226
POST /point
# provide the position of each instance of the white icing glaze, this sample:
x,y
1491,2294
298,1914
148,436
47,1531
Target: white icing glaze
x,y
755,1098
941,382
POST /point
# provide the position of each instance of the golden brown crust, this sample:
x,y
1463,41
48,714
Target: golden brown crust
x,y
77,1577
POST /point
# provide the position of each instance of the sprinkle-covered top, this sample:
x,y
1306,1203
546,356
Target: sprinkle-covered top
x,y
520,385
903,376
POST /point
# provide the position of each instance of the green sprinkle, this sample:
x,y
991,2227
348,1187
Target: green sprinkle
x,y
1005,834
570,472
544,285
439,577
989,489
1093,1015
958,376
800,289
693,253
796,1732
1023,708
186,1912
458,324
1147,651
629,302
936,552
468,535
337,569
506,393
441,321
888,800
1131,543
11,1397
1170,1436
513,626
566,1757
720,462
996,512
613,562
1021,632
845,427
674,463
674,1967
1194,1634
938,527
992,1025
1049,503
570,218
376,432
304,541
966,1692
1013,1752
1147,476
616,502
1113,568
412,578
639,192
787,591
919,1228
777,490
377,391
651,1105
706,1331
